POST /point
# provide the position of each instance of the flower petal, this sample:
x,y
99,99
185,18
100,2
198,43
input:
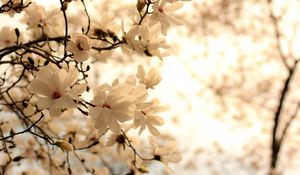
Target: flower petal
x,y
39,87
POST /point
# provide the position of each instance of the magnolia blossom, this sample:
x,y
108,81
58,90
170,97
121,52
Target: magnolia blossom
x,y
80,46
145,113
150,79
111,107
161,13
119,139
36,17
137,93
153,43
144,40
146,116
8,37
53,89
132,43
165,153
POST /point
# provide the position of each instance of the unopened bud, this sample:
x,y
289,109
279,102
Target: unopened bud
x,y
65,146
17,31
100,33
64,6
140,5
143,169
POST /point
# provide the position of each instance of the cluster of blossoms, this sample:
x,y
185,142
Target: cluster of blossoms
x,y
55,101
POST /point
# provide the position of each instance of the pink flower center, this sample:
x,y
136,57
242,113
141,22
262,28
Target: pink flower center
x,y
42,22
79,46
7,42
161,10
56,95
106,106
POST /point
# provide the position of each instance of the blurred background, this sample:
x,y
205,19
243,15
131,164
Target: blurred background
x,y
223,82
228,79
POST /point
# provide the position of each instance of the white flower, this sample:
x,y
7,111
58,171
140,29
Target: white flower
x,y
146,116
145,113
165,153
80,46
7,37
53,89
132,43
36,18
144,40
111,107
137,93
119,139
150,79
162,11
153,44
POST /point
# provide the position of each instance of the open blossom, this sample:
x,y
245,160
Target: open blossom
x,y
150,79
119,139
145,112
132,43
8,37
161,13
146,116
145,40
111,107
53,89
165,153
153,44
37,17
136,92
80,46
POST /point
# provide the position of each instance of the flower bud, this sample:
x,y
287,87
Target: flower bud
x,y
64,6
65,146
140,5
